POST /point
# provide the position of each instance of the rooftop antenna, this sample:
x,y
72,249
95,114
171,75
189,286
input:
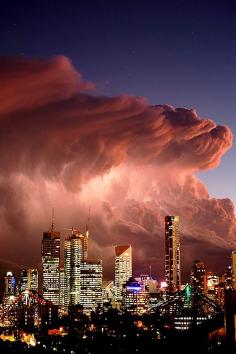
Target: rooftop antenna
x,y
87,225
150,271
53,220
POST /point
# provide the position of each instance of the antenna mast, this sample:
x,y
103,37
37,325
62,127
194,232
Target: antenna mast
x,y
150,271
87,225
53,220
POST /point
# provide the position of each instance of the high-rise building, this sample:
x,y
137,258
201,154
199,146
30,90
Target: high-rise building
x,y
228,278
9,287
51,265
62,287
108,292
28,280
123,268
135,297
234,269
75,250
198,276
151,285
23,283
221,291
213,280
91,285
33,279
172,253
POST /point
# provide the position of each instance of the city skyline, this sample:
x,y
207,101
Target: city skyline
x,y
61,253
73,298
67,271
134,120
117,176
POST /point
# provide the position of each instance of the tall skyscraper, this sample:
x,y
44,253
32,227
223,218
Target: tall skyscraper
x,y
228,278
108,292
23,283
123,268
62,287
75,250
91,284
33,279
135,297
234,269
198,276
51,264
9,287
172,253
28,280
213,281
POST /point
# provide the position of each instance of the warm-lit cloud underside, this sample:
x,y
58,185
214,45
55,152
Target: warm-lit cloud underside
x,y
131,162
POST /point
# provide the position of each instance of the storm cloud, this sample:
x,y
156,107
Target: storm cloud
x,y
63,146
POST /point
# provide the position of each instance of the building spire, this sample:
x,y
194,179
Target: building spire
x,y
150,271
87,225
53,220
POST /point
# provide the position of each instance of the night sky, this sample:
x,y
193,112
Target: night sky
x,y
66,141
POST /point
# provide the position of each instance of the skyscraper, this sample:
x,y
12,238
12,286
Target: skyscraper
x,y
91,284
229,277
28,280
213,280
9,287
33,279
198,276
172,253
62,287
51,265
75,250
135,297
123,268
234,269
23,283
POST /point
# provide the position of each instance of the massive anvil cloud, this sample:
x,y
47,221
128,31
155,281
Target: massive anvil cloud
x,y
131,162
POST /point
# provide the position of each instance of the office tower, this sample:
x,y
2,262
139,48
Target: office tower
x,y
108,292
221,291
198,276
234,269
23,283
135,297
33,279
51,264
85,242
9,287
62,287
172,253
213,280
151,285
228,278
75,250
123,268
28,280
91,285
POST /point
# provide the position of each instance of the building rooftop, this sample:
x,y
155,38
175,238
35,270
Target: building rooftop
x,y
121,249
92,261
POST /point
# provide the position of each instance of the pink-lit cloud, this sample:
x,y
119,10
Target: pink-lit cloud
x,y
131,162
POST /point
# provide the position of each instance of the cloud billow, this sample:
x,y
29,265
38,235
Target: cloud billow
x,y
133,163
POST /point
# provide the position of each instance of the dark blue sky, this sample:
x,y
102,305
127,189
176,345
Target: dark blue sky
x,y
177,52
